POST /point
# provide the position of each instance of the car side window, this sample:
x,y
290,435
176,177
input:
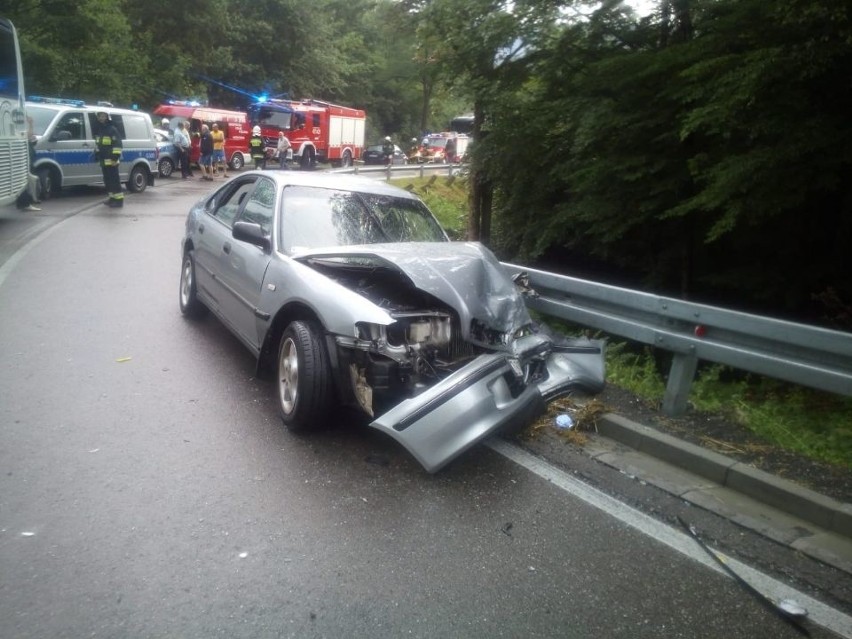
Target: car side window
x,y
73,124
226,208
260,206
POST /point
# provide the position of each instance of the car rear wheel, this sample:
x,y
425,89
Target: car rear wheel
x,y
304,386
237,161
138,180
347,159
190,305
166,167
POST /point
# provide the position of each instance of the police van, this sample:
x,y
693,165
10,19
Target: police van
x,y
65,150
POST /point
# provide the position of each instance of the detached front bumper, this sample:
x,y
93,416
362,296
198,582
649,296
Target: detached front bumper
x,y
463,409
479,399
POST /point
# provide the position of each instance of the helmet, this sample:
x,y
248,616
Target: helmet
x,y
99,113
255,130
387,138
165,122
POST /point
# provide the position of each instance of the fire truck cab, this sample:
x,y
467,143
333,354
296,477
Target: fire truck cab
x,y
233,123
318,131
448,147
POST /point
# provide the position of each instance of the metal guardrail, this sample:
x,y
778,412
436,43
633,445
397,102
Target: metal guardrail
x,y
388,171
806,355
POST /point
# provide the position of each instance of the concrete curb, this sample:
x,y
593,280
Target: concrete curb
x,y
810,506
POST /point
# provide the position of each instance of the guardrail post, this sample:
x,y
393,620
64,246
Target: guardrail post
x,y
681,375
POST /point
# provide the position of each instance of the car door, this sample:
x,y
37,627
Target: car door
x,y
73,146
243,265
213,239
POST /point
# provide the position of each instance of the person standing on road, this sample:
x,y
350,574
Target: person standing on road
x,y
388,149
27,200
283,149
108,143
219,162
182,144
206,148
257,148
450,151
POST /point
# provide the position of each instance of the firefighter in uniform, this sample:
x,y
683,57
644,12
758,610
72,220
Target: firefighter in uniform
x,y
108,143
257,148
388,149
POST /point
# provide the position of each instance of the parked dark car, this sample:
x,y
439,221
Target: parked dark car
x,y
349,290
375,155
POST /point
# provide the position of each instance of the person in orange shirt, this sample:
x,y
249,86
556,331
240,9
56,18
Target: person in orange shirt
x,y
219,151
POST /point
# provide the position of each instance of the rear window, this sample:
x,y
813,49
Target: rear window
x,y
136,127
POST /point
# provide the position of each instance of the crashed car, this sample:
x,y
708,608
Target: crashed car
x,y
350,291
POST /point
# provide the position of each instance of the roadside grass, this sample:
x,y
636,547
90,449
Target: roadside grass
x,y
815,424
809,422
445,197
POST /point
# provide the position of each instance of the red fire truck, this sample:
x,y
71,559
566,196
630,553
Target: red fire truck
x,y
448,147
318,131
233,123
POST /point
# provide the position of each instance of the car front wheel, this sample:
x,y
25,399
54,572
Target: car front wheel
x,y
166,167
48,182
304,386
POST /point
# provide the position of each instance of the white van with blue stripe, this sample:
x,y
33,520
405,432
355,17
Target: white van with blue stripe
x,y
65,151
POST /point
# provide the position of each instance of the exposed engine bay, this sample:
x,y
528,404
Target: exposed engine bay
x,y
422,346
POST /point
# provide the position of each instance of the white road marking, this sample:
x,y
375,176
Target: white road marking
x,y
818,612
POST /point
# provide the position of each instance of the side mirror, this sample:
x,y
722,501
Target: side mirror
x,y
252,233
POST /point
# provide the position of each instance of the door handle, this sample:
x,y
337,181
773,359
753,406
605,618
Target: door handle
x,y
227,247
201,228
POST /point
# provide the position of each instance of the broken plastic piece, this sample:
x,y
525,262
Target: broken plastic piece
x,y
564,422
792,607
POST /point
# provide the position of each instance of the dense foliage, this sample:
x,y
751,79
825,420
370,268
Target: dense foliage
x,y
702,151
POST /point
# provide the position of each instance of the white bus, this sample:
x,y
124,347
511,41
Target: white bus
x,y
14,151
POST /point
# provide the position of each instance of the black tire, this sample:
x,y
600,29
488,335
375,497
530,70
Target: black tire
x,y
138,179
237,161
190,305
303,378
48,182
307,161
166,167
346,161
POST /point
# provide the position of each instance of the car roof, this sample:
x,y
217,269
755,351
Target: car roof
x,y
341,181
88,108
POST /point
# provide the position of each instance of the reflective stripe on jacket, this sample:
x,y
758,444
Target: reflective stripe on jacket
x,y
108,143
256,147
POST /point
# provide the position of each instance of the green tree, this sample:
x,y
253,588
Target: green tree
x,y
704,149
486,67
78,49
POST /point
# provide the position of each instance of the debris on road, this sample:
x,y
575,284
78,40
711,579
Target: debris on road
x,y
786,609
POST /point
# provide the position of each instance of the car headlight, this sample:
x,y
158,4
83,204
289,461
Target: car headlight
x,y
370,332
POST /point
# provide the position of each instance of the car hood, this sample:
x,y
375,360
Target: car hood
x,y
464,275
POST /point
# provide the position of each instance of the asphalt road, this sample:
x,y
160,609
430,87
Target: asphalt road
x,y
148,488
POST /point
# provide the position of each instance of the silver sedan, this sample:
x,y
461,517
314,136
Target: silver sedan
x,y
350,293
